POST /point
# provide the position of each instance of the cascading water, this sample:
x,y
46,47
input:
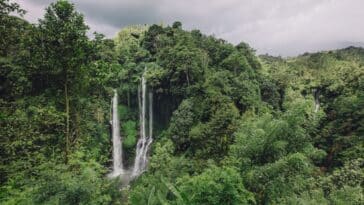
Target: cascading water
x,y
141,158
144,141
117,147
316,95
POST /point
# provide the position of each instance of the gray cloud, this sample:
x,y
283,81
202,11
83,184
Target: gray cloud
x,y
277,27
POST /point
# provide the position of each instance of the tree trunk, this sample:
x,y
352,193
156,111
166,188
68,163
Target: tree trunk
x,y
187,78
128,98
77,127
67,132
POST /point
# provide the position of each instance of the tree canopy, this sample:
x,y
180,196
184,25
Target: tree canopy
x,y
230,127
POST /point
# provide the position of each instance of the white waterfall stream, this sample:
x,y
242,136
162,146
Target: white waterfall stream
x,y
116,140
145,138
316,95
144,141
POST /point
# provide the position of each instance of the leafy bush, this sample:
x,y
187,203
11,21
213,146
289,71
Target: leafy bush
x,y
129,134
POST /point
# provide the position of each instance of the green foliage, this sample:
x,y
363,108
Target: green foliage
x,y
42,93
337,76
128,44
236,62
215,186
230,127
130,134
157,185
215,94
12,28
25,130
181,124
347,195
184,65
57,184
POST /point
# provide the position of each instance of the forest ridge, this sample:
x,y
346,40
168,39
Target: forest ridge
x,y
230,127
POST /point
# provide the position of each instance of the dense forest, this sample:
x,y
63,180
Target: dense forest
x,y
230,127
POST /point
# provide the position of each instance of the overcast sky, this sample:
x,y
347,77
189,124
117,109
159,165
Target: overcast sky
x,y
277,27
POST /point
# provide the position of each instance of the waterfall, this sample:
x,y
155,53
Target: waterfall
x,y
150,114
316,95
144,141
145,135
117,147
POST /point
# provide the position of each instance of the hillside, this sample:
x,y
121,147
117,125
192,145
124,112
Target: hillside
x,y
218,124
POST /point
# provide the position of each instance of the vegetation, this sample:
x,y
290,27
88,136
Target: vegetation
x,y
231,127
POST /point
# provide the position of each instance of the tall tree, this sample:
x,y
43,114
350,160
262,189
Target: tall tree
x,y
9,25
65,52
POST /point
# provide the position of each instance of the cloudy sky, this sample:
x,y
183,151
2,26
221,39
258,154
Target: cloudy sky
x,y
277,27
